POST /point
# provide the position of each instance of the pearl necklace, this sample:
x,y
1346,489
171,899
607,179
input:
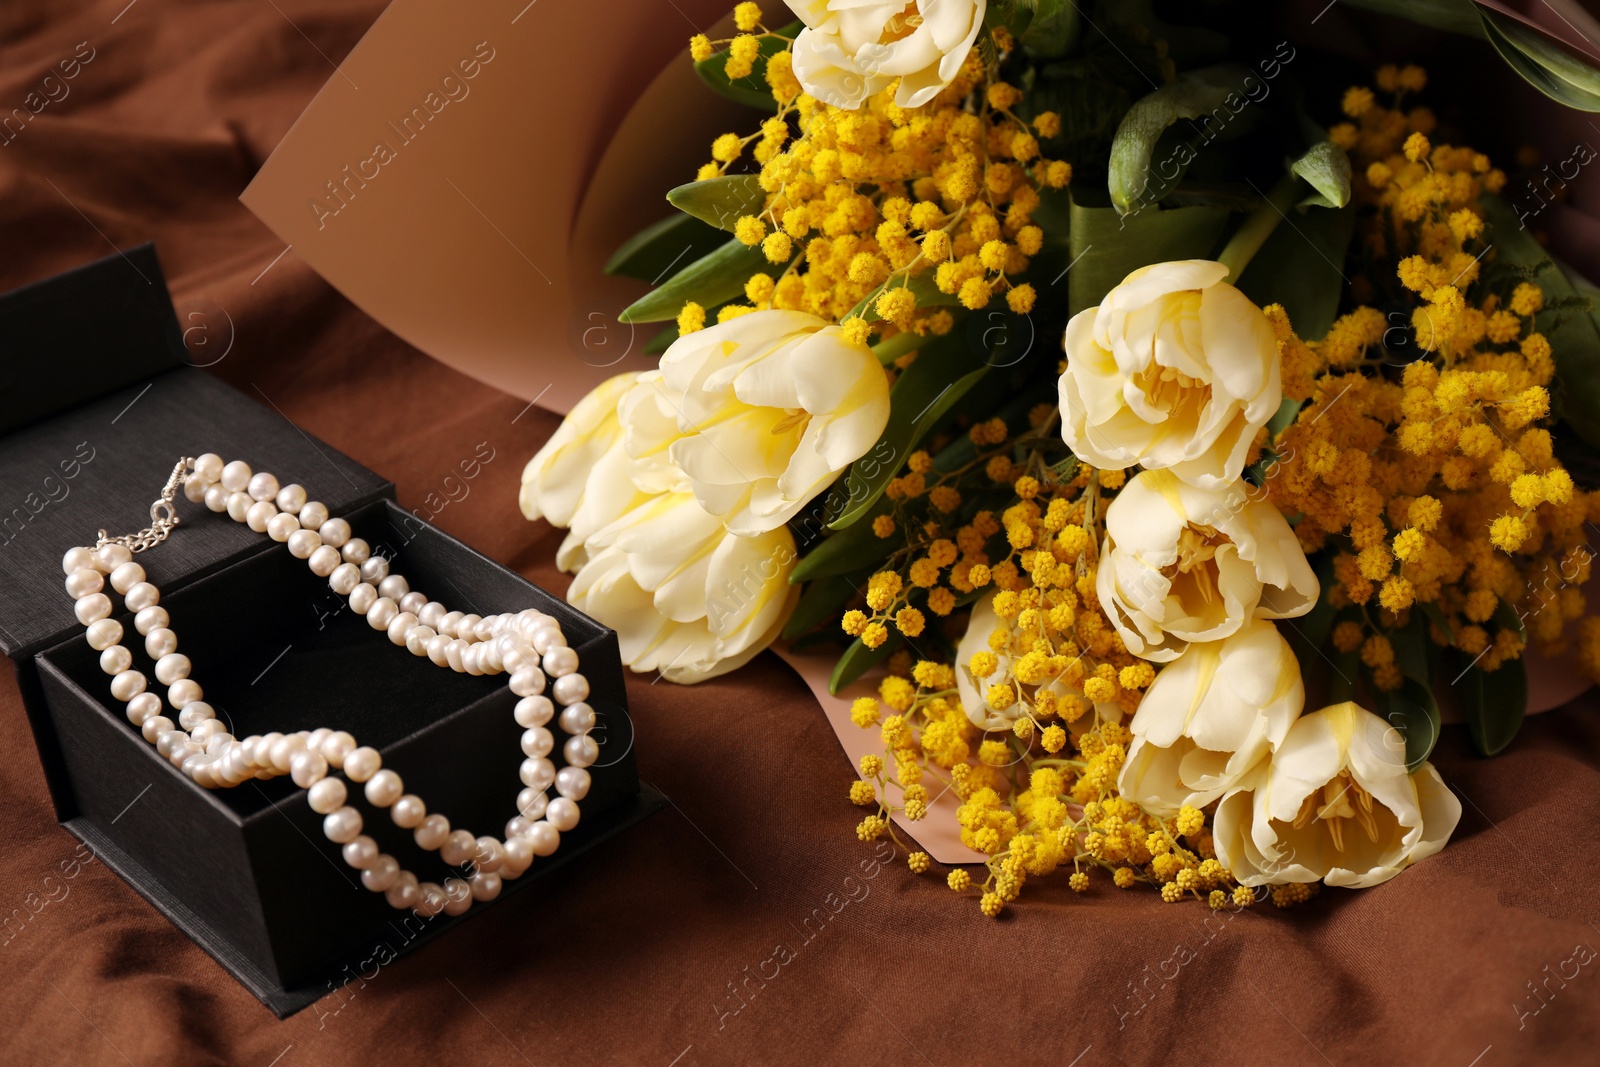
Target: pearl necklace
x,y
529,645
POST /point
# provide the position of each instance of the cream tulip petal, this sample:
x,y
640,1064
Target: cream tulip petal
x,y
554,480
1441,812
1236,336
1311,755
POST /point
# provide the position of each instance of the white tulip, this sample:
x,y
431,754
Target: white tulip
x,y
759,413
1175,370
1209,717
1334,804
685,597
554,481
1183,564
851,49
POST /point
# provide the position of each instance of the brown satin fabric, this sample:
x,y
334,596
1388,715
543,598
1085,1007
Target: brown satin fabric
x,y
662,948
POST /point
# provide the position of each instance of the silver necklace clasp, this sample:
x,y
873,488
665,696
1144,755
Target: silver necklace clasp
x,y
163,515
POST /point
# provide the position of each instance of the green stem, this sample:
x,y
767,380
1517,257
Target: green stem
x,y
897,346
1249,237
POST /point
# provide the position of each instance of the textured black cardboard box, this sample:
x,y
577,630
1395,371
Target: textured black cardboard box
x,y
246,872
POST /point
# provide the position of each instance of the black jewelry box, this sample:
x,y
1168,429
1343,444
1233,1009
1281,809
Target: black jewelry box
x,y
96,406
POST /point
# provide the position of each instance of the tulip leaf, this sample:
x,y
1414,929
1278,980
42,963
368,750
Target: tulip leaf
x,y
1054,29
822,599
1574,334
1315,626
1107,247
708,281
649,254
1413,711
1142,127
944,371
1542,63
751,90
844,551
720,202
1494,703
1301,266
1327,169
858,659
1454,16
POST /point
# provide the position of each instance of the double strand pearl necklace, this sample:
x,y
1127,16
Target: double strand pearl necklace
x,y
529,645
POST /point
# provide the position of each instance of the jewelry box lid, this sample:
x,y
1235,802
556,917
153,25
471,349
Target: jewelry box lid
x,y
96,405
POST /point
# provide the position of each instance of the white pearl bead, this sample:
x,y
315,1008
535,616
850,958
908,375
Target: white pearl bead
x,y
432,614
412,602
307,769
374,569
408,812
313,514
432,832
381,875
103,634
489,855
404,892
281,527
341,826
519,856
572,783
115,660
183,692
485,886
537,742
571,689
361,853
84,582
337,746
517,827
196,713
291,498
534,711
362,597
528,620
472,661
108,558
283,750
458,848
236,475
417,639
527,681
381,613
160,642
559,661
334,532
260,514
546,638
126,577
467,627
194,490
302,543
453,653
362,764
92,608
170,668
207,467
532,802
151,619
485,628
239,505
437,646
155,727
430,899
142,595
355,551
544,838
323,561
170,741
327,796
216,498
143,708
537,773
384,788
344,579
577,718
400,627
393,586
205,730
77,559
448,624
562,814
263,486
580,751
458,896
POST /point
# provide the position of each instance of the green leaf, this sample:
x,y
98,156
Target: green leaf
x,y
1326,167
1574,336
1542,63
921,286
821,600
707,281
1284,417
858,659
1142,127
1414,712
846,551
1317,624
720,202
1301,267
1454,16
1054,29
753,89
940,377
1107,247
1494,703
649,254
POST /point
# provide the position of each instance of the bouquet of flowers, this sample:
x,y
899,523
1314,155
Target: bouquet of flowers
x,y
1168,431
